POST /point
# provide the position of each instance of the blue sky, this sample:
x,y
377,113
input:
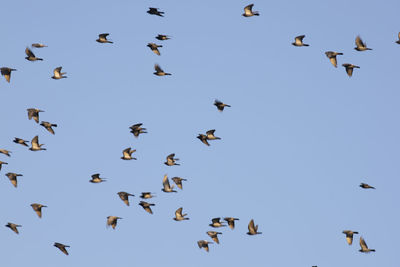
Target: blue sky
x,y
296,143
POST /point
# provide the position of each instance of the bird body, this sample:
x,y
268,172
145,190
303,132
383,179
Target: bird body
x,y
203,139
58,74
38,209
20,141
253,229
214,236
30,55
146,206
171,160
298,41
231,221
5,152
216,223
211,136
112,220
178,181
96,179
34,113
127,154
125,197
146,195
166,186
35,146
248,12
159,71
62,247
6,72
154,47
332,57
364,247
103,38
349,68
13,227
137,129
220,106
48,126
366,186
349,236
360,45
13,178
38,45
162,37
155,11
179,216
204,244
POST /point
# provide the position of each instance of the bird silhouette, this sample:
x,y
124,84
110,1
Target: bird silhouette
x,y
5,152
34,113
38,45
96,179
38,209
125,197
6,72
231,221
366,186
166,186
171,160
48,126
349,236
112,220
364,247
248,12
13,178
360,45
349,68
58,74
204,244
13,227
20,141
1,164
154,47
203,139
30,55
155,11
127,154
220,106
103,38
253,229
159,71
146,195
178,181
216,223
298,41
35,144
62,247
162,37
179,216
332,57
146,206
211,136
214,236
137,129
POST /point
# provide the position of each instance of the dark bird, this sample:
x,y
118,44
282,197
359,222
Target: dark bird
x,y
125,197
112,220
6,72
127,154
349,68
38,45
13,227
96,178
58,74
220,106
146,195
155,11
30,55
20,141
216,223
103,38
214,236
298,41
179,216
170,160
360,45
159,71
231,221
398,36
178,181
366,186
349,236
13,178
211,136
38,208
253,228
34,113
248,12
1,164
35,144
162,37
166,186
332,57
203,139
146,206
364,247
5,152
204,244
154,47
48,126
61,247
137,129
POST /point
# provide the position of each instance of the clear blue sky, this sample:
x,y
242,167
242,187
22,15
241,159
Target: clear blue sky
x,y
296,143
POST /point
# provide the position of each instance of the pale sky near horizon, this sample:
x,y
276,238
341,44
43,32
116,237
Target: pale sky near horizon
x,y
298,139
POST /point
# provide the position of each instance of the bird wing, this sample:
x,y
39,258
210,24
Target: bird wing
x,y
210,132
363,244
35,141
29,53
166,183
359,42
57,72
215,220
349,239
247,9
103,35
178,213
251,226
333,60
158,68
126,153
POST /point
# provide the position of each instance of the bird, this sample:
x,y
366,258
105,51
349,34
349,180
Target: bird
x,y
103,38
1,164
154,47
248,12
13,227
203,139
298,41
211,136
146,195
20,141
6,72
127,154
253,228
216,223
171,160
178,181
38,208
162,37
58,74
398,36
5,152
364,247
62,247
159,71
13,177
332,57
220,106
34,113
349,68
96,178
35,144
366,186
204,244
179,216
137,129
155,11
38,45
48,126
214,236
146,206
125,197
166,186
30,55
360,45
112,220
231,221
349,236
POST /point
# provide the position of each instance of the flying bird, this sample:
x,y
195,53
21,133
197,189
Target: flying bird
x,y
38,208
35,144
162,37
112,220
48,126
137,129
166,186
211,136
30,55
103,38
96,178
146,195
364,247
5,152
220,106
146,206
214,236
171,160
155,11
203,139
332,57
159,71
34,113
6,72
349,68
127,154
360,45
349,236
38,45
253,229
20,141
178,181
13,177
248,12
298,41
398,36
125,197
58,74
13,227
231,221
366,186
204,244
154,47
1,164
179,216
216,223
61,247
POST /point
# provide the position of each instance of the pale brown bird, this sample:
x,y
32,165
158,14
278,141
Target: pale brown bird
x,y
6,72
155,11
349,68
137,129
13,227
216,223
154,47
5,152
38,45
103,38
231,221
34,113
332,57
112,220
203,139
364,247
13,178
349,236
159,71
214,236
35,146
204,244
38,208
211,136
253,229
96,178
127,154
125,197
298,41
30,55
179,216
171,160
220,106
58,74
366,186
162,37
146,195
360,45
1,164
166,186
48,126
62,247
178,181
20,141
146,206
248,12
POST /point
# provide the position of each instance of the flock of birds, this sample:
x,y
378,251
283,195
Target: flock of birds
x,y
137,129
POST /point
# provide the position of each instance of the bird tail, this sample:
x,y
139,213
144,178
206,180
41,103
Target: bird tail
x,y
306,45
